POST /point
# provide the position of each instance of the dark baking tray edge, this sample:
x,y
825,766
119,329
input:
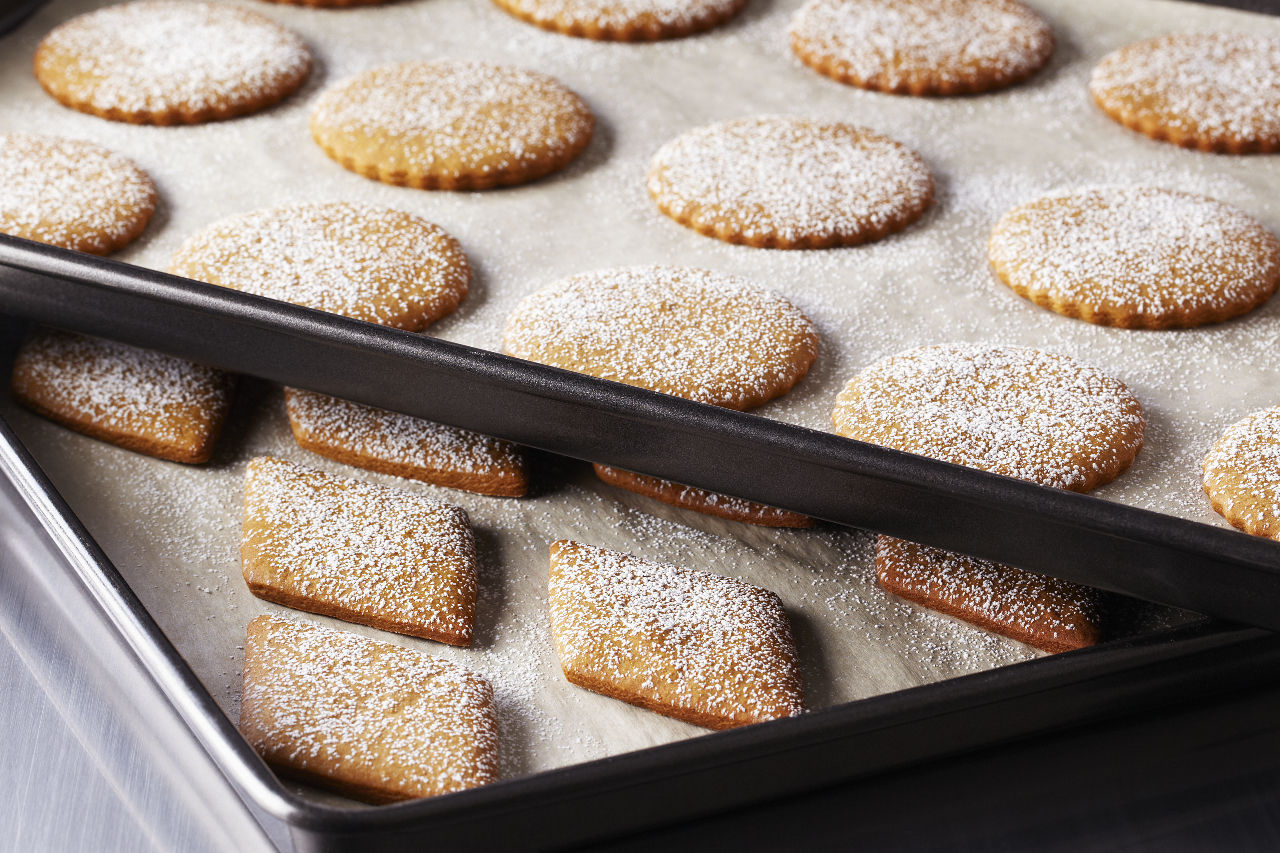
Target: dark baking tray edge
x,y
1186,564
700,776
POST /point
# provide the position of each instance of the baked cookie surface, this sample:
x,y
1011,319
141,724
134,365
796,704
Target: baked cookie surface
x,y
1046,612
785,182
392,443
1136,257
169,62
134,398
359,260
1242,474
357,551
1014,411
71,193
702,648
451,125
693,333
624,20
922,47
370,720
1209,91
701,500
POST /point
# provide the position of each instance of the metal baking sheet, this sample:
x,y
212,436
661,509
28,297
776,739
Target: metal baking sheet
x,y
172,531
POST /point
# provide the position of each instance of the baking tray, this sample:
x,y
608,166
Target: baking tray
x,y
1110,545
615,796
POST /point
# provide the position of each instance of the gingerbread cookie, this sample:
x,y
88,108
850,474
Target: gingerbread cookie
x,y
1210,91
1136,257
356,551
170,62
358,260
694,333
1046,612
701,500
135,398
624,20
391,443
70,193
783,182
1242,474
922,47
451,125
370,720
1018,412
699,647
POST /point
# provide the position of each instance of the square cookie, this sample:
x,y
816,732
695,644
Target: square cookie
x,y
706,649
370,720
358,551
392,443
134,398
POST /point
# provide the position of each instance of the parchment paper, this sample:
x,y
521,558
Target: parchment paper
x,y
173,531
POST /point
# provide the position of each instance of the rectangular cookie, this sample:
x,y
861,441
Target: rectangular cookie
x,y
358,551
703,648
370,720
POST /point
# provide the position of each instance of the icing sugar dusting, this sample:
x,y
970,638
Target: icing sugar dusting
x,y
1220,86
693,333
624,14
1138,252
366,712
159,56
789,179
692,640
71,193
1018,412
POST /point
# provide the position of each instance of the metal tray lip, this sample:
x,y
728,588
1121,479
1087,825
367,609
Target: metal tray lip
x,y
243,766
1255,558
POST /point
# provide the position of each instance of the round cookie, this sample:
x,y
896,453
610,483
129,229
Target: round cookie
x,y
171,62
451,125
784,182
624,20
1242,474
693,333
357,260
70,193
922,47
1210,91
1019,412
1136,257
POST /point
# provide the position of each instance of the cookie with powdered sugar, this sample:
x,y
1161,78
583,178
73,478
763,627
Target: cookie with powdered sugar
x,y
134,398
405,446
1046,612
168,62
1014,411
922,47
706,649
624,20
785,182
370,720
357,551
1242,474
701,500
71,193
693,333
451,124
1136,257
354,259
1209,91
